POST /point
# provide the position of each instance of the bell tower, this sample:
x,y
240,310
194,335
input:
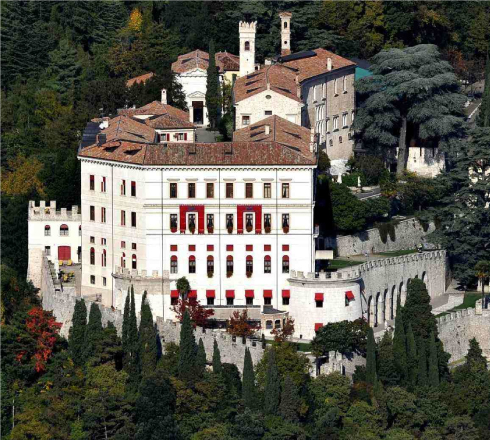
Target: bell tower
x,y
285,32
247,47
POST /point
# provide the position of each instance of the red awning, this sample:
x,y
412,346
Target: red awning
x,y
230,294
210,294
267,293
318,326
349,295
192,294
249,293
318,296
286,294
174,294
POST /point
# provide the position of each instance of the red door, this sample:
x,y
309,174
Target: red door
x,y
64,253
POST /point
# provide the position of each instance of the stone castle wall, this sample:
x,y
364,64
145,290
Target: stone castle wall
x,y
408,234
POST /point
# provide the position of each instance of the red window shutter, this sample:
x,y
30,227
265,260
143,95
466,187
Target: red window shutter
x,y
168,137
210,294
286,294
249,247
258,219
192,294
267,247
185,136
174,294
349,295
192,248
173,248
249,293
285,247
183,211
318,296
230,294
210,247
267,293
240,211
318,326
229,248
173,258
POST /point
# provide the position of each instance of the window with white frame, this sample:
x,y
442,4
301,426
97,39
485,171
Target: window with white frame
x,y
328,125
335,122
245,120
344,84
335,90
344,120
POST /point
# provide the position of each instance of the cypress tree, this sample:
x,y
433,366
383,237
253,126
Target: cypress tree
x,y
422,364
148,349
93,332
399,343
411,357
418,311
125,325
187,353
371,358
475,359
290,401
131,362
201,358
433,376
77,333
217,367
248,387
386,369
272,391
212,88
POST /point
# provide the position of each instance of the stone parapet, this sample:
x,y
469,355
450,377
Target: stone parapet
x,y
48,212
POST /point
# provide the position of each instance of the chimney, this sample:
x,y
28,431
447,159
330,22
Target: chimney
x,y
267,129
285,33
329,64
247,47
101,139
312,140
164,96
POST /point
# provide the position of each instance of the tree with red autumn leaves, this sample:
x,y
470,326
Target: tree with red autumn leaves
x,y
199,315
284,333
239,324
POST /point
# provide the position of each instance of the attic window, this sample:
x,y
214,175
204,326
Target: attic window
x,y
132,152
251,82
252,90
111,149
284,90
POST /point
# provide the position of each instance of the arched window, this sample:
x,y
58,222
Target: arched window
x,y
104,258
173,264
134,262
192,264
285,25
267,264
229,266
123,260
64,230
277,323
47,230
92,256
247,45
210,266
249,265
285,264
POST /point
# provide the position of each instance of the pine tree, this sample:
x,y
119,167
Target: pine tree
x,y
290,401
200,358
217,367
248,387
148,349
272,389
93,332
386,369
422,379
399,343
77,333
125,324
411,357
371,358
212,88
484,116
433,376
187,352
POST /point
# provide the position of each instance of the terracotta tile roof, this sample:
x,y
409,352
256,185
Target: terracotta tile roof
x,y
155,108
275,77
180,154
125,128
198,59
167,121
280,130
139,79
316,65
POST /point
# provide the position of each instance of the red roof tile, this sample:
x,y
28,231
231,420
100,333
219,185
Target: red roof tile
x,y
180,154
280,130
276,77
125,128
155,108
139,79
163,122
198,59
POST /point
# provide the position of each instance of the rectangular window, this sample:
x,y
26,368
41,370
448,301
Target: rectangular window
x,y
191,190
192,265
267,191
210,190
173,190
335,87
123,245
92,279
324,90
210,301
285,220
102,215
103,185
133,219
173,222
249,222
285,190
133,188
47,250
104,281
210,222
328,125
92,182
230,301
249,301
344,84
103,241
267,301
229,222
123,218
229,190
249,190
285,301
92,213
319,304
344,120
174,301
267,223
173,265
123,187
267,265
268,113
92,239
246,120
47,231
335,122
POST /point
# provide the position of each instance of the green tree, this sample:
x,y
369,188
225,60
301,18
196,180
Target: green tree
x,y
249,425
212,88
290,401
78,333
217,367
125,324
371,375
131,360
343,337
272,389
422,378
433,373
484,115
400,343
183,286
412,364
248,386
475,359
187,352
201,358
148,349
93,332
386,361
418,311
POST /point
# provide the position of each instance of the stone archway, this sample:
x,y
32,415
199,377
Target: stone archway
x,y
424,276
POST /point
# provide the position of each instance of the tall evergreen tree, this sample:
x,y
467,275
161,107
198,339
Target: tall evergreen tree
x,y
371,357
217,367
212,88
131,362
386,362
187,352
399,343
272,389
484,116
475,359
411,357
433,374
200,358
77,333
148,349
290,401
125,324
418,311
248,387
422,379
93,332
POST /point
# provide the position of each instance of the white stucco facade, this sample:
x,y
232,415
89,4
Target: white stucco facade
x,y
194,86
